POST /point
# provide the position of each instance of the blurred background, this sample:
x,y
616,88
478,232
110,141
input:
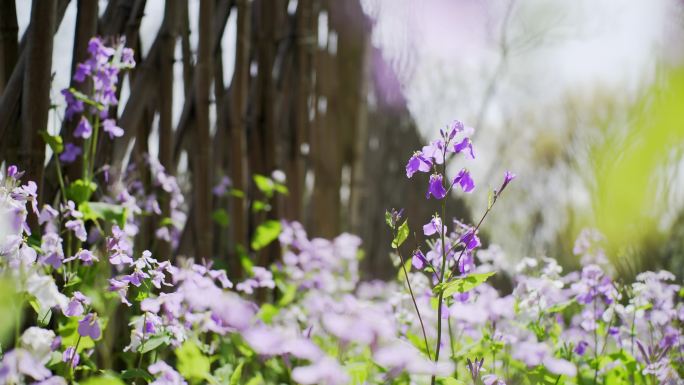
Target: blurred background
x,y
583,100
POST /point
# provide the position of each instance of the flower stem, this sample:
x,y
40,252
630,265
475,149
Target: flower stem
x,y
71,360
93,145
142,341
415,304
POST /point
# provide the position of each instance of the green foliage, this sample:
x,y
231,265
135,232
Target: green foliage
x,y
11,304
192,364
54,141
153,343
107,379
401,236
237,374
220,216
80,191
132,374
266,233
630,183
111,213
462,284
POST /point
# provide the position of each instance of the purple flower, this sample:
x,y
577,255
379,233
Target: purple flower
x,y
417,162
436,187
75,306
86,256
82,71
71,356
89,327
13,172
560,366
121,288
119,247
165,374
581,348
99,51
56,343
20,362
326,371
465,144
78,227
455,127
136,278
474,368
74,106
470,240
508,177
418,260
110,127
463,178
434,151
70,153
47,214
220,189
435,226
127,58
83,129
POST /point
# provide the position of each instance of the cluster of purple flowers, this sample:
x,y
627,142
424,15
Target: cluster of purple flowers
x,y
325,325
102,69
436,153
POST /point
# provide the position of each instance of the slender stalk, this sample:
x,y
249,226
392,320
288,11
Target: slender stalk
x,y
415,304
142,341
93,146
71,360
443,269
451,337
60,178
596,348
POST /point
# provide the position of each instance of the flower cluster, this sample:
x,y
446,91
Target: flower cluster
x,y
102,69
101,308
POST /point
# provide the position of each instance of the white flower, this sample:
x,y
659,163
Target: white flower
x,y
38,342
45,290
12,216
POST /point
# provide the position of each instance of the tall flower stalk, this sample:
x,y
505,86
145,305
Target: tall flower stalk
x,y
433,158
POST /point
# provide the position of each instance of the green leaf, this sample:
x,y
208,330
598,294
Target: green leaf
x,y
256,380
99,210
237,374
463,284
245,261
281,188
153,343
289,295
258,206
11,304
220,216
80,191
137,373
107,379
559,307
192,364
267,312
54,141
388,218
266,233
264,184
402,234
236,193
